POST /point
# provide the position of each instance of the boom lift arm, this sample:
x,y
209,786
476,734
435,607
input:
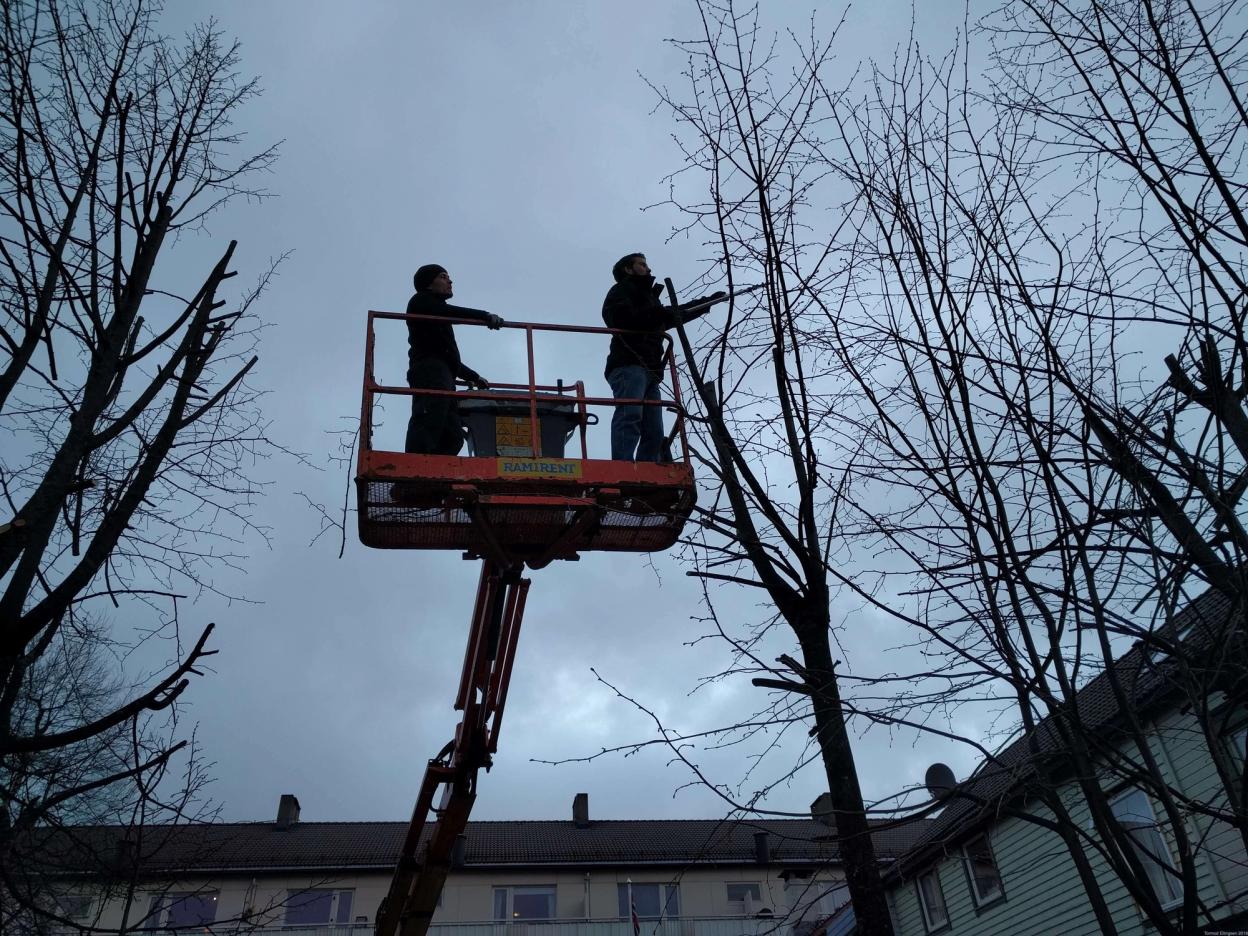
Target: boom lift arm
x,y
483,684
512,509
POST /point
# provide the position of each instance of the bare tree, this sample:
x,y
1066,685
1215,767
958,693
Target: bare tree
x,y
945,405
970,374
126,416
1063,499
763,421
1160,109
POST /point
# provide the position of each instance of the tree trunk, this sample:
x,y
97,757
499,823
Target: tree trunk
x,y
853,831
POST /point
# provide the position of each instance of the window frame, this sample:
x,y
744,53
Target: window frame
x,y
812,898
925,911
979,901
509,908
1237,741
163,903
75,906
666,893
734,904
334,916
1234,738
1158,830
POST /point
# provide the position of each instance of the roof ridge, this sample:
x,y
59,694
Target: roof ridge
x,y
251,823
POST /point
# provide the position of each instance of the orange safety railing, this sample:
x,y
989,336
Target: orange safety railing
x,y
372,388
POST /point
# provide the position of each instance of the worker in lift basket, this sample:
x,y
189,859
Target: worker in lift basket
x,y
433,364
635,362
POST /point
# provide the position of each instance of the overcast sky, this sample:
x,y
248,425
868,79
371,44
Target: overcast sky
x,y
516,144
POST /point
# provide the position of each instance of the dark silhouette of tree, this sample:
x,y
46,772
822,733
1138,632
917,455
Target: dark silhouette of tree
x,y
127,421
950,404
761,417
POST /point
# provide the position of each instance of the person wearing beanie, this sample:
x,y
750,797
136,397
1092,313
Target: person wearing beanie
x,y
635,362
433,363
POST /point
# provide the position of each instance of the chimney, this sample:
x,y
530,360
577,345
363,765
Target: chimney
x,y
287,811
762,847
821,810
458,850
580,810
126,855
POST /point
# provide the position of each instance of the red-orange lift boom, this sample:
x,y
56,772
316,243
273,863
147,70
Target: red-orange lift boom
x,y
508,510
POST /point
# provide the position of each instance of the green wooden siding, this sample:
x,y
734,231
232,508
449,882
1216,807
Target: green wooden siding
x,y
1043,893
1041,889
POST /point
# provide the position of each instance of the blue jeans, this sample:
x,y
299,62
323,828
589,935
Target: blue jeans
x,y
636,431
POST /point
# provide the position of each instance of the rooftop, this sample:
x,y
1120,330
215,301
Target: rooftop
x,y
1146,678
256,846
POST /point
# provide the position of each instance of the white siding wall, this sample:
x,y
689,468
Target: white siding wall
x,y
263,897
469,895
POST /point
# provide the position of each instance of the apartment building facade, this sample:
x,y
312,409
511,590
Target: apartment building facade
x,y
579,877
992,862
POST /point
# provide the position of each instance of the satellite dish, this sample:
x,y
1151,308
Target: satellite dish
x,y
939,780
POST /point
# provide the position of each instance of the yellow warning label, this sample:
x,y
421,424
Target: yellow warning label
x,y
539,467
513,436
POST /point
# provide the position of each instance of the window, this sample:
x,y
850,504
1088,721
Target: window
x,y
318,906
653,901
982,868
1235,739
74,906
1135,814
812,901
182,909
932,901
744,899
524,903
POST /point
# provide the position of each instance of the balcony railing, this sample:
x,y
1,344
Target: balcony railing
x,y
685,926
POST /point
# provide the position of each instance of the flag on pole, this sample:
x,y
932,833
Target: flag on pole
x,y
632,910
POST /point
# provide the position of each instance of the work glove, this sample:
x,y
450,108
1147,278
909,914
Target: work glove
x,y
479,383
699,307
494,321
706,300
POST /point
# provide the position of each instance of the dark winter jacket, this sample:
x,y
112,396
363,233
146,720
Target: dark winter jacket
x,y
633,304
436,340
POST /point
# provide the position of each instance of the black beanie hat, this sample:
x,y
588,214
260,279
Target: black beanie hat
x,y
426,275
621,269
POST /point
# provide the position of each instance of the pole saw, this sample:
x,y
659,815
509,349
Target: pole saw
x,y
687,314
697,308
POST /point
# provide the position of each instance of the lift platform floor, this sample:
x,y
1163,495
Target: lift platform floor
x,y
545,508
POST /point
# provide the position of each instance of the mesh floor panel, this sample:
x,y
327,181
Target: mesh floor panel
x,y
647,522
